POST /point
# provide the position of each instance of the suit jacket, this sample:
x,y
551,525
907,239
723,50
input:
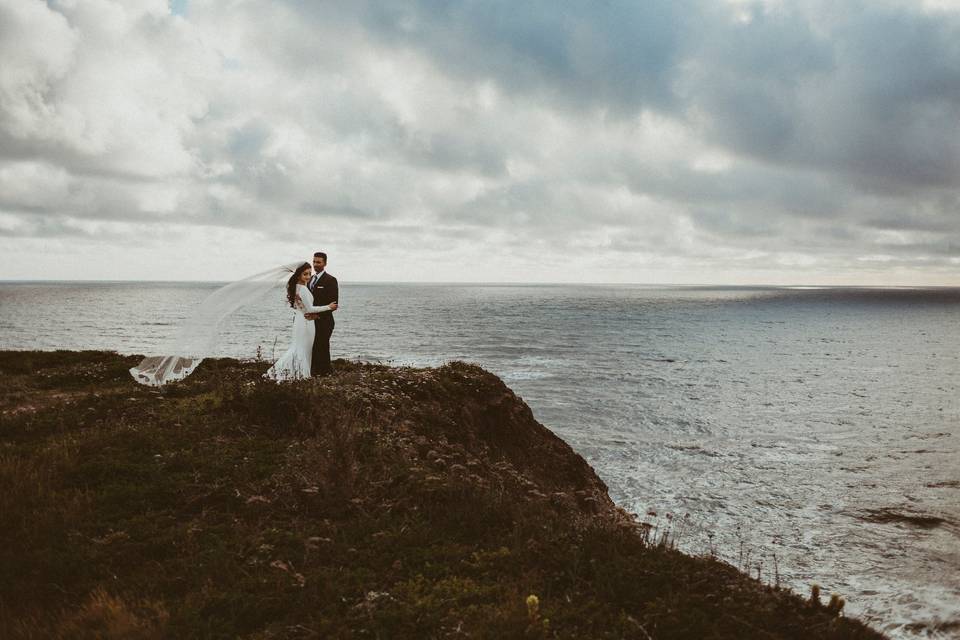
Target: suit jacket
x,y
325,291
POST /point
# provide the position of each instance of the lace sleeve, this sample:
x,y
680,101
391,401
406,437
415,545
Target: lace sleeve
x,y
305,301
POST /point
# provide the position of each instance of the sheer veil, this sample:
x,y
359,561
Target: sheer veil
x,y
196,338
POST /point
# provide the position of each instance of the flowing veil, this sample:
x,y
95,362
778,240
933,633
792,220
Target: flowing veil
x,y
196,338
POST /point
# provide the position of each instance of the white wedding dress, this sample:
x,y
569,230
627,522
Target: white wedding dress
x,y
295,363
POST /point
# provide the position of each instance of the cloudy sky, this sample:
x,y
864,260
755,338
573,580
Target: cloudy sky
x,y
663,141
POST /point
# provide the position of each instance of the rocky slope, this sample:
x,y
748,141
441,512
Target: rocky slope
x,y
379,503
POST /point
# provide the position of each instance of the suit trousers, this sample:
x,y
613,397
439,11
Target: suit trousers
x,y
320,362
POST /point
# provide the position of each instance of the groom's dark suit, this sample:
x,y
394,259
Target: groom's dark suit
x,y
325,291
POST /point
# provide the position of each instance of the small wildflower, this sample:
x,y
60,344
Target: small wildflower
x,y
533,607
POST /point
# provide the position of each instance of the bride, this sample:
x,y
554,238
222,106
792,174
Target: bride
x,y
198,334
295,363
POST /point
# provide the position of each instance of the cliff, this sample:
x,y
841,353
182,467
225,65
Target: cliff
x,y
379,503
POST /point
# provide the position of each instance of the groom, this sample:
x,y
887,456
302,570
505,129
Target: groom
x,y
325,290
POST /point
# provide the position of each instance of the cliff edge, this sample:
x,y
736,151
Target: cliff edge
x,y
378,503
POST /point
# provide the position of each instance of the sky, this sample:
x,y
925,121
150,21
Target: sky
x,y
664,141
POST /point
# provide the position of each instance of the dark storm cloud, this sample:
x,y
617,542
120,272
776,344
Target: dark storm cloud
x,y
869,90
613,55
768,187
866,89
453,151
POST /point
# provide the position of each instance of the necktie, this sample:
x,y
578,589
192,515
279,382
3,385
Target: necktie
x,y
313,283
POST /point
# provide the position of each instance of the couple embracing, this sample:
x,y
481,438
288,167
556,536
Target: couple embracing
x,y
312,293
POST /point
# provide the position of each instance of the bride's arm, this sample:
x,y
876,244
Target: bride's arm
x,y
306,298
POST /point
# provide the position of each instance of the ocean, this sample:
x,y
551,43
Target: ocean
x,y
806,435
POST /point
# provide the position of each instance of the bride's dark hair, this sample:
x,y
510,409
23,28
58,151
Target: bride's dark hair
x,y
293,282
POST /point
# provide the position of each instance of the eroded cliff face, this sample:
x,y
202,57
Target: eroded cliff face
x,y
461,424
381,502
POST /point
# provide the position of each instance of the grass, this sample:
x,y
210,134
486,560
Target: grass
x,y
380,503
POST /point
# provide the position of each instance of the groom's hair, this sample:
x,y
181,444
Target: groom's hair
x,y
320,254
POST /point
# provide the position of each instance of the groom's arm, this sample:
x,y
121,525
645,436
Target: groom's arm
x,y
335,291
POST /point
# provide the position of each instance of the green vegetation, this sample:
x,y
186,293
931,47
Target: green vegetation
x,y
379,503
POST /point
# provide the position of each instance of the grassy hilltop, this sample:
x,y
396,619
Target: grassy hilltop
x,y
380,503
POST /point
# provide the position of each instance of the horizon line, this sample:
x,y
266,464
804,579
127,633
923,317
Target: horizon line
x,y
513,283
